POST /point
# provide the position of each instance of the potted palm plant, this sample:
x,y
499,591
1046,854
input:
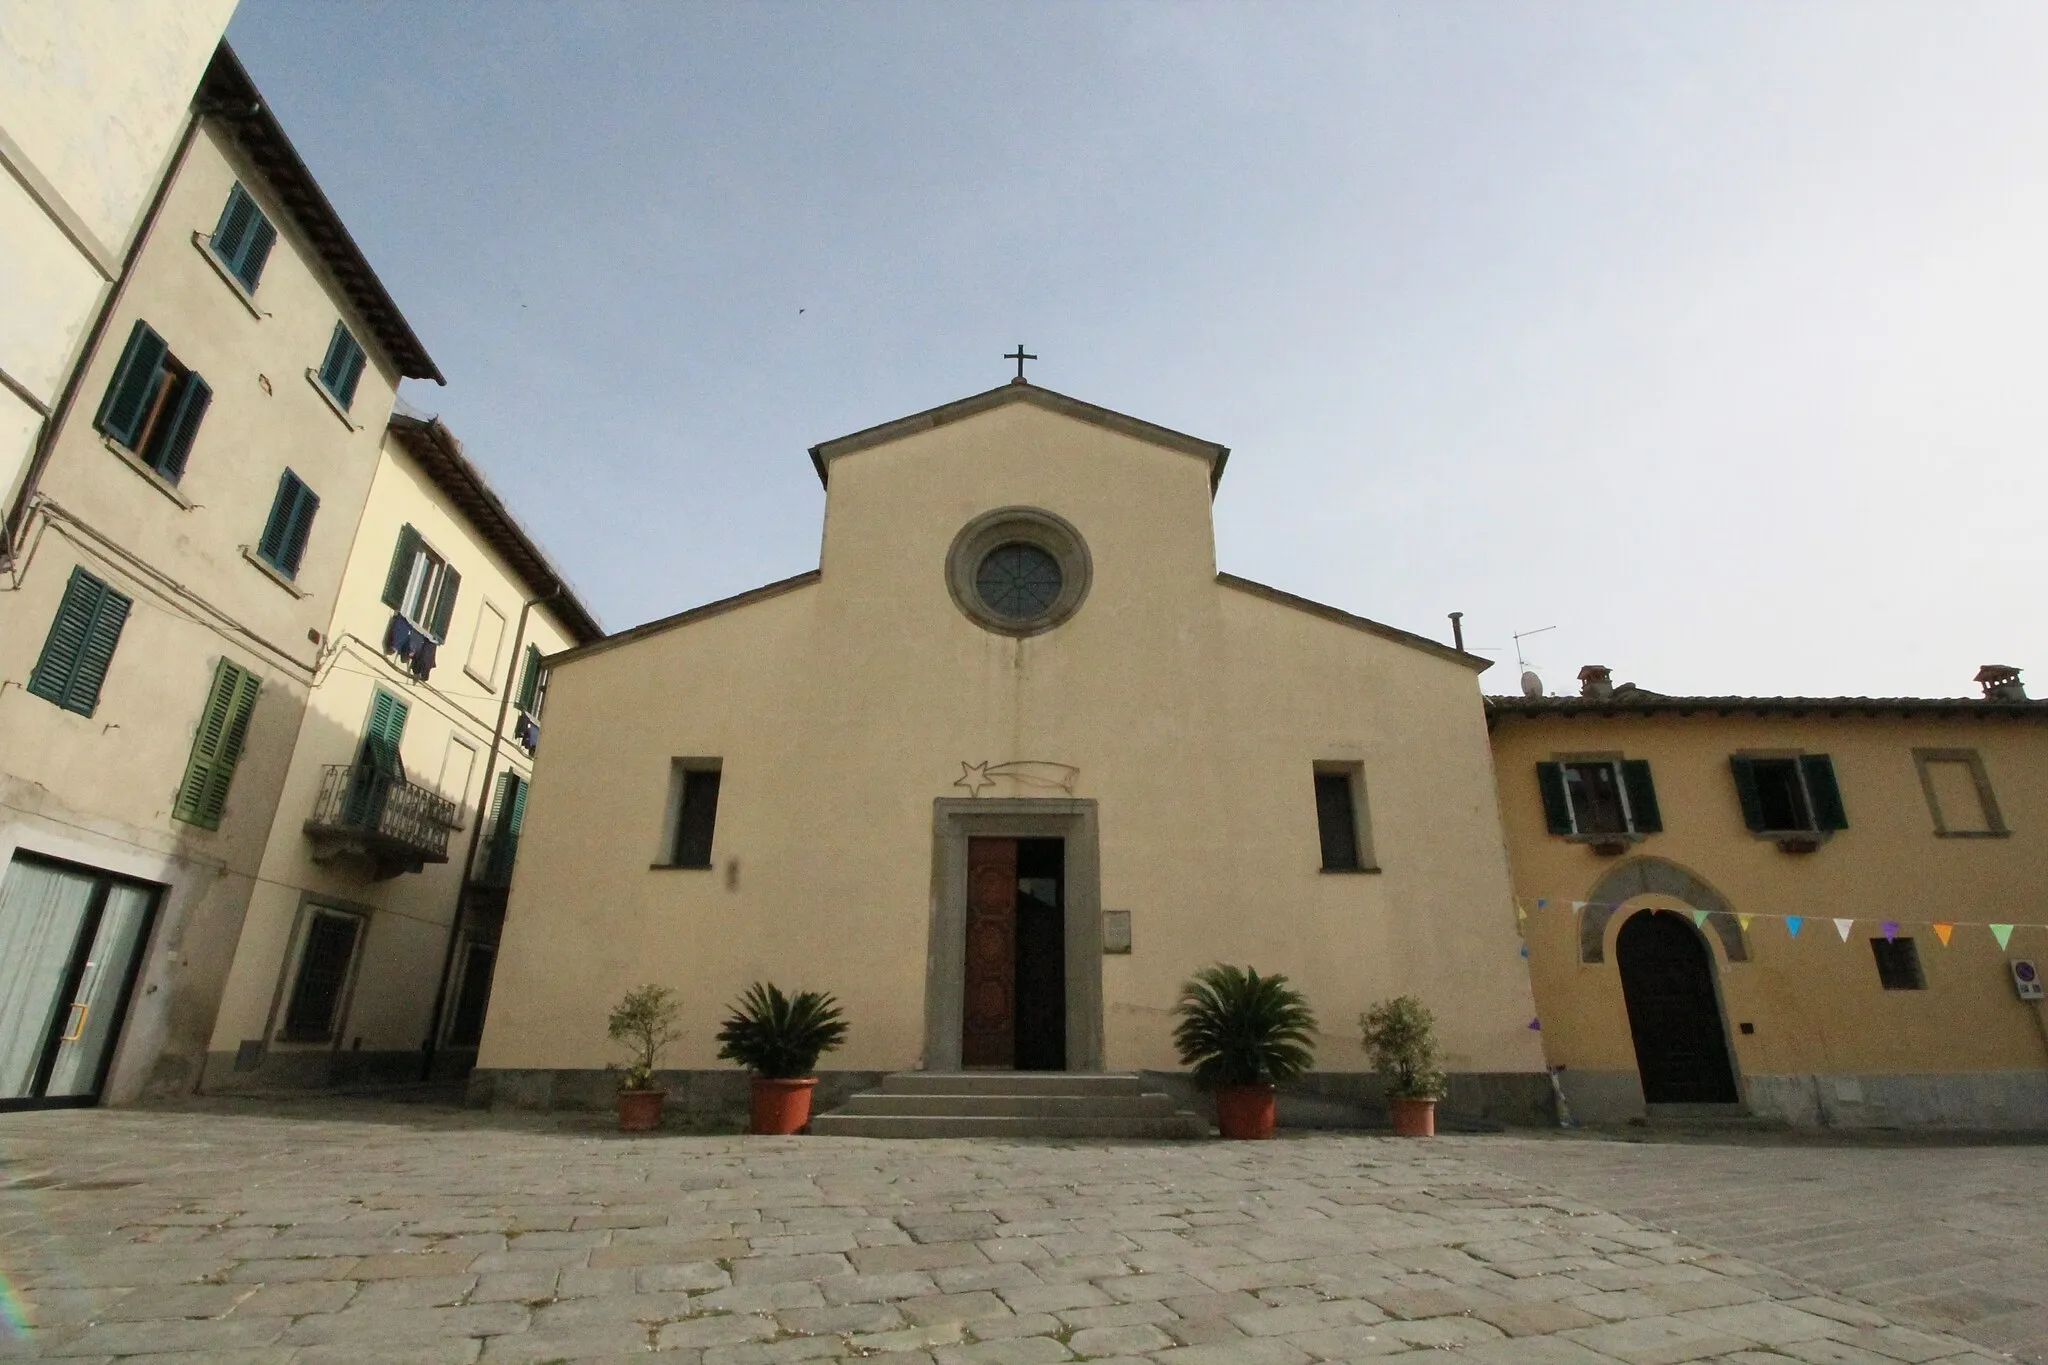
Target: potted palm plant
x,y
1243,1034
1400,1036
645,1021
779,1038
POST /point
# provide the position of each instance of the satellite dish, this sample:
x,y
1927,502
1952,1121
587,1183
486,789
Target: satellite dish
x,y
1532,686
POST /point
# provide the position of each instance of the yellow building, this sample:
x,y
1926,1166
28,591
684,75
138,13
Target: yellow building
x,y
176,549
1804,909
1016,659
95,101
368,944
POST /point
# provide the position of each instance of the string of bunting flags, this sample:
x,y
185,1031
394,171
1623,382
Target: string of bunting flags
x,y
1944,930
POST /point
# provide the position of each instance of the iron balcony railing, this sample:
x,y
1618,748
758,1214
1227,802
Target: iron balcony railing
x,y
389,816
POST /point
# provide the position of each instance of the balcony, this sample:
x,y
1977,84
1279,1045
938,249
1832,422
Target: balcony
x,y
366,813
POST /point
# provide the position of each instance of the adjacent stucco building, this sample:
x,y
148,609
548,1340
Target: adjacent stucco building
x,y
1000,773
1683,863
176,549
95,102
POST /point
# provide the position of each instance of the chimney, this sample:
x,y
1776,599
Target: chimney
x,y
2001,682
1596,680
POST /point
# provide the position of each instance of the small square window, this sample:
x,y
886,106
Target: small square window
x,y
1898,964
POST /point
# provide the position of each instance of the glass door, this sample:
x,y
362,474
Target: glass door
x,y
70,947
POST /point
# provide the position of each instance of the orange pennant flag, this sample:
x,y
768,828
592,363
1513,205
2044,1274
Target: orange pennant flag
x,y
1942,931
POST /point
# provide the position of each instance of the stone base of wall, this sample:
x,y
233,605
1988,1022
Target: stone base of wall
x,y
1603,1097
1355,1099
1982,1100
295,1070
1323,1099
694,1097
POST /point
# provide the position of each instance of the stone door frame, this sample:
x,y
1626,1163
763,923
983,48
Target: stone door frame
x,y
954,821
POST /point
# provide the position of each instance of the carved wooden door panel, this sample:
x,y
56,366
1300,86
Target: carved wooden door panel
x,y
989,1011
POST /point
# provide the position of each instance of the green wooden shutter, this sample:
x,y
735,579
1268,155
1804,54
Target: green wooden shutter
x,y
80,646
1746,792
352,373
400,574
514,815
301,530
231,233
250,269
217,747
283,545
1642,796
442,611
529,682
1824,790
127,399
330,364
343,366
386,730
173,444
1557,807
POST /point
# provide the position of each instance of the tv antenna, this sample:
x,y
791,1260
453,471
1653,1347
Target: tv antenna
x,y
1532,685
1520,662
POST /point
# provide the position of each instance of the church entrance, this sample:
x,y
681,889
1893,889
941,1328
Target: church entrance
x,y
1667,980
1014,1014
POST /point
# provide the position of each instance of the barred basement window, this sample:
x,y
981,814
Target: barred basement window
x,y
1898,964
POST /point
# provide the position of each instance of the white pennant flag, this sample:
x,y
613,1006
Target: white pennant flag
x,y
1842,927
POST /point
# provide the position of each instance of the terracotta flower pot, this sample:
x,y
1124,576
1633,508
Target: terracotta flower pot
x,y
1245,1111
640,1110
781,1106
1413,1118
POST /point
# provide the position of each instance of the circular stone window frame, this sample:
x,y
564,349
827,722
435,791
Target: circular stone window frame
x,y
1034,526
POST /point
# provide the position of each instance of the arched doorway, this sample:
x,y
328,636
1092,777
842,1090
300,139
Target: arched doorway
x,y
1667,979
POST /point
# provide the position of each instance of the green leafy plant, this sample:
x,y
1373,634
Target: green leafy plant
x,y
779,1037
1400,1035
645,1021
1239,1028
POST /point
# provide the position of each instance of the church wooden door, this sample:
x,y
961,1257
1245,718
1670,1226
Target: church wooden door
x,y
1667,981
989,1010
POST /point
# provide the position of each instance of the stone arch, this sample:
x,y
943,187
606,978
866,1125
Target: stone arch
x,y
1646,876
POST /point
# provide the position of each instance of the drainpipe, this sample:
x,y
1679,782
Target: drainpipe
x,y
476,830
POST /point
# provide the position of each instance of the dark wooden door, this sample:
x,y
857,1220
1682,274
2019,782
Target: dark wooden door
x,y
989,1011
1667,978
1041,956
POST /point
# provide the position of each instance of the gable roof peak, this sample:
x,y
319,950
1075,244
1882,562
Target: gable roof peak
x,y
1019,391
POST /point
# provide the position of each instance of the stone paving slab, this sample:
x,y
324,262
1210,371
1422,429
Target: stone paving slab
x,y
363,1234
1941,1237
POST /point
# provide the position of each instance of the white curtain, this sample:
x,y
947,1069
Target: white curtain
x,y
41,912
106,970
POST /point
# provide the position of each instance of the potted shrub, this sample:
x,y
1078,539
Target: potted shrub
x,y
779,1037
1243,1034
645,1021
1400,1035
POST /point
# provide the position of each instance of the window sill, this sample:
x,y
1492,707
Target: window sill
x,y
1796,840
333,403
272,573
204,242
679,867
1973,834
150,476
1605,845
1348,871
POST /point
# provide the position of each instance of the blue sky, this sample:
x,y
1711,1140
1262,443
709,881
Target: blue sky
x,y
1713,335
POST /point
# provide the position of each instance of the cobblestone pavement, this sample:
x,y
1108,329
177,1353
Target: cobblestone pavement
x,y
1947,1237
377,1236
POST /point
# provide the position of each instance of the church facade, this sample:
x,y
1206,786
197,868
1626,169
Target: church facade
x,y
1000,773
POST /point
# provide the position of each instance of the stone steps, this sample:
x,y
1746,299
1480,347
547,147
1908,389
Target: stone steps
x,y
919,1104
